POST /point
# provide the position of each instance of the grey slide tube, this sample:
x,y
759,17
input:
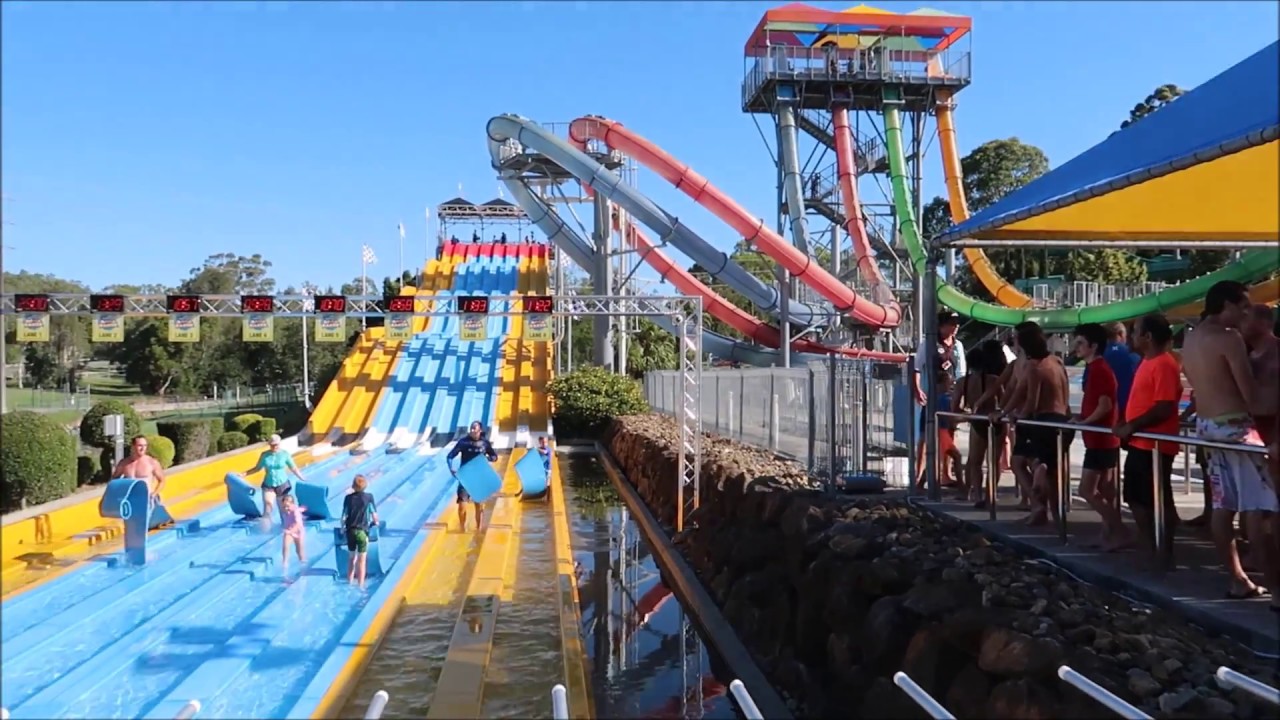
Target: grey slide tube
x,y
792,187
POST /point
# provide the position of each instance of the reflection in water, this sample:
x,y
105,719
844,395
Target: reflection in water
x,y
646,659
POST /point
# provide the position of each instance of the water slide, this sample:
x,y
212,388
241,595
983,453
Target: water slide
x,y
1253,266
752,229
535,137
846,165
581,252
522,403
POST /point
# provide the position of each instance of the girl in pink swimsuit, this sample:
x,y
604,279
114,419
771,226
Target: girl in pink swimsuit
x,y
293,530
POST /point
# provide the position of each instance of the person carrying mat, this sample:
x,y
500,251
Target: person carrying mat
x,y
472,446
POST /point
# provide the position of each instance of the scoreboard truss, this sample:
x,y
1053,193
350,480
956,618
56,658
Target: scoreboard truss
x,y
684,311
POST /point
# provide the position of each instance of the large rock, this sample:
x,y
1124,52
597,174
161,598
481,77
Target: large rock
x,y
834,595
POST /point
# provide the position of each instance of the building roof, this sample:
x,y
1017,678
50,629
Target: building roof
x,y
1201,168
800,25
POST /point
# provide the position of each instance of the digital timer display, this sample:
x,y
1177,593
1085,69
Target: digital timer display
x,y
257,304
473,305
539,304
31,303
182,303
106,303
331,303
400,304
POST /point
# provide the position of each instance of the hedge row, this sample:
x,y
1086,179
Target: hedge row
x,y
39,460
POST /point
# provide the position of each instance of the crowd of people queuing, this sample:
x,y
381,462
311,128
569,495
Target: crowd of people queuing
x,y
1230,362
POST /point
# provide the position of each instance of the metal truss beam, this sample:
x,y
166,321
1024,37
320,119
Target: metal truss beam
x,y
685,312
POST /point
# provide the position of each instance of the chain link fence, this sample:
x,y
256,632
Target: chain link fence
x,y
844,419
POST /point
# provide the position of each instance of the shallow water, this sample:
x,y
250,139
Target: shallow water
x,y
635,668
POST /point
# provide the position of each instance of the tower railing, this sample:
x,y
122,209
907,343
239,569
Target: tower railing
x,y
951,66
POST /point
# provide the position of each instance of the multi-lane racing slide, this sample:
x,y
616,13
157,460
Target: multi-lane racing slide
x,y
1253,266
599,178
214,616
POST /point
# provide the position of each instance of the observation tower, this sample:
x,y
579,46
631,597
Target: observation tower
x,y
845,90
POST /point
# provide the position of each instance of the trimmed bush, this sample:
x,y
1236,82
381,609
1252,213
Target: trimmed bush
x,y
263,429
161,448
244,423
87,470
190,439
37,460
91,425
232,440
217,426
587,399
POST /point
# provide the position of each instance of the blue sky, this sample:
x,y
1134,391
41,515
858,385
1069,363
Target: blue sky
x,y
140,138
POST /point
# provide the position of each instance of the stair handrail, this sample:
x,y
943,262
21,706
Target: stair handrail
x,y
1100,695
1234,680
188,711
377,705
932,707
559,703
745,702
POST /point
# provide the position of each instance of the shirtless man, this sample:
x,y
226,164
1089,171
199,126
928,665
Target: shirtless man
x,y
1045,398
141,466
1217,364
1264,359
1011,389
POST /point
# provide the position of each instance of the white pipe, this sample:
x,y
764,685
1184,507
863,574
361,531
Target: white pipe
x,y
745,703
1231,679
377,705
559,703
1101,695
4,714
932,707
188,711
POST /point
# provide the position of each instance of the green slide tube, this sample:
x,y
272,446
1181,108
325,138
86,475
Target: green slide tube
x,y
1253,266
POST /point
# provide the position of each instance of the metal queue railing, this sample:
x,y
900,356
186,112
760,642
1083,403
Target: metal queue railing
x,y
1227,678
1061,480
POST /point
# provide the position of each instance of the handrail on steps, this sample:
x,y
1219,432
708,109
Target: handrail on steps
x,y
1231,679
188,711
559,703
745,703
377,705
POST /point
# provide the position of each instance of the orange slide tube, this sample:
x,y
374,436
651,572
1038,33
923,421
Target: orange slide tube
x,y
862,251
1003,291
752,229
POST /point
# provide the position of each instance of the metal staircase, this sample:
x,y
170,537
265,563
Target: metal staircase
x,y
871,156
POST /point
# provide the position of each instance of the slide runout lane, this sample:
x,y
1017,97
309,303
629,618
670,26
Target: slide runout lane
x,y
301,621
355,415
90,579
327,410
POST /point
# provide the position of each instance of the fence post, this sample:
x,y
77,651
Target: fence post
x,y
773,409
730,433
931,707
831,421
559,703
813,420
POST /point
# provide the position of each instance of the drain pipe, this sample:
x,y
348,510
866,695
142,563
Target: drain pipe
x,y
377,705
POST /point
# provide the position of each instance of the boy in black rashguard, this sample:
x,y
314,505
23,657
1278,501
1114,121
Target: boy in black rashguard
x,y
358,514
473,445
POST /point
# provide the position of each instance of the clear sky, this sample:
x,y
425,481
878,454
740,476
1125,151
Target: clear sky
x,y
140,138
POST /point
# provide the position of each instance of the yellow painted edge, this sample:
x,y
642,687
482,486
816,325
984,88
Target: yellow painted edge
x,y
344,682
581,702
460,689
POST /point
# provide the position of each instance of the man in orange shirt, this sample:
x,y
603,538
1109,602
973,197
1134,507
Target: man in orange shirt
x,y
1152,408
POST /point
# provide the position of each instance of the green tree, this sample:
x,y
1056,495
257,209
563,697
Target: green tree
x,y
1158,98
992,171
53,363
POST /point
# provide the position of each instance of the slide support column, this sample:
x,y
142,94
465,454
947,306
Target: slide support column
x,y
602,325
928,376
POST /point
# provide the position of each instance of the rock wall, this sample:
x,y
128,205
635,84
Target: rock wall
x,y
832,595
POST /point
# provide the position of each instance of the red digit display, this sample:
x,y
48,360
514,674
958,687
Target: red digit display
x,y
400,304
473,305
31,303
540,304
257,304
182,303
331,303
106,303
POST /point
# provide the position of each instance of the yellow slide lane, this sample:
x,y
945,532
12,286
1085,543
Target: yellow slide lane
x,y
539,367
325,414
513,350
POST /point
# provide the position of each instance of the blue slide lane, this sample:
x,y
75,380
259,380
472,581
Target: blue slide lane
x,y
50,601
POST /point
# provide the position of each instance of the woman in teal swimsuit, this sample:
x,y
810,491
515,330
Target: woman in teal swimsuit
x,y
275,483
